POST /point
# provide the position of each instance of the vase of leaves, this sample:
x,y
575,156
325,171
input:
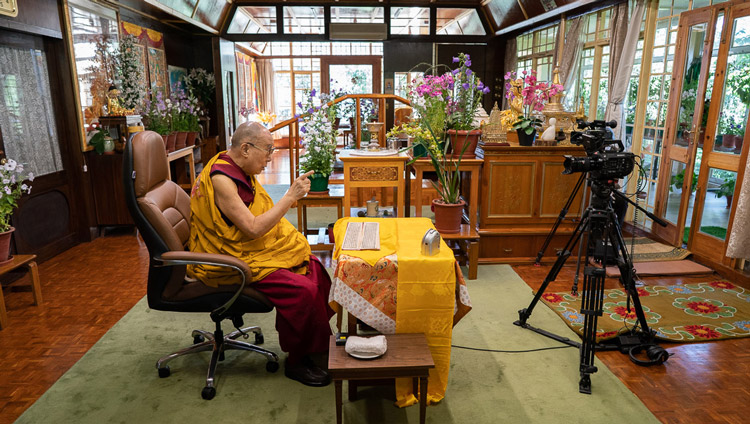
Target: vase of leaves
x,y
13,186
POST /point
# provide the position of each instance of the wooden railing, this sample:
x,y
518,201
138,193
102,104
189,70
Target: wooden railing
x,y
293,124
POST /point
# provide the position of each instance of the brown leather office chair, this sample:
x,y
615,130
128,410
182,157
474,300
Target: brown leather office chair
x,y
161,211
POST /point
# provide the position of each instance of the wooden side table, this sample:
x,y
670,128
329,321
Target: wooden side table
x,y
185,152
317,238
408,356
29,261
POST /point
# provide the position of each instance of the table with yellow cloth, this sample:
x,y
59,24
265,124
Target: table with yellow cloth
x,y
398,290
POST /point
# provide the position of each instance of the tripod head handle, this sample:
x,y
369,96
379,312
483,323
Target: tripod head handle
x,y
653,217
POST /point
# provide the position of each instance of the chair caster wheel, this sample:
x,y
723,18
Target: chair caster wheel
x,y
164,372
198,339
272,366
259,338
208,393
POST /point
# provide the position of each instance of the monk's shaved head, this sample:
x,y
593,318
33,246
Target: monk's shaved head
x,y
249,132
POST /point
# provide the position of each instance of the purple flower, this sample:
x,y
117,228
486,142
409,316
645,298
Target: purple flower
x,y
455,71
311,110
465,85
312,93
481,85
468,62
486,90
468,58
456,60
303,129
299,105
468,72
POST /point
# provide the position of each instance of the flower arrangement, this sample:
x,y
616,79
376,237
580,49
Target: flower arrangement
x,y
318,136
466,95
266,118
201,85
156,115
534,95
183,111
130,74
729,124
430,97
13,186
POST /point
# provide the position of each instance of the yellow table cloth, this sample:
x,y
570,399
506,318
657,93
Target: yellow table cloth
x,y
399,290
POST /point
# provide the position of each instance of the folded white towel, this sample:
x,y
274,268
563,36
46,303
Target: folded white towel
x,y
366,346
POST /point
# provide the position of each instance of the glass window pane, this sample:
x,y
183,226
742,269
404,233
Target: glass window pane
x,y
677,173
733,117
455,21
410,20
26,117
280,49
253,20
321,49
303,20
343,14
718,203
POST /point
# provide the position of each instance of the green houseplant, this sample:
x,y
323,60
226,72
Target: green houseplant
x,y
726,189
318,138
466,92
12,188
678,179
102,142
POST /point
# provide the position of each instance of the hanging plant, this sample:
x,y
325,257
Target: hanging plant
x,y
130,74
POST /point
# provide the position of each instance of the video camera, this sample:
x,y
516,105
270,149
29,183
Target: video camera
x,y
605,157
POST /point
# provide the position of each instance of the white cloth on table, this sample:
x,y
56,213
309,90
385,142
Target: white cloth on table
x,y
356,345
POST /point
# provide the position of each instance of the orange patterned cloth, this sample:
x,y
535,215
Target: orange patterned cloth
x,y
431,293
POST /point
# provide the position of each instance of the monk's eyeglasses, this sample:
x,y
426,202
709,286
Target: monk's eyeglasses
x,y
269,150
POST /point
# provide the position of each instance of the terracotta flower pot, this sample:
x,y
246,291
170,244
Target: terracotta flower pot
x,y
171,140
459,138
5,238
181,140
165,137
448,216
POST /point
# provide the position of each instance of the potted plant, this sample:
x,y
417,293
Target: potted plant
x,y
12,188
157,120
534,95
130,74
678,179
466,91
318,138
726,189
102,142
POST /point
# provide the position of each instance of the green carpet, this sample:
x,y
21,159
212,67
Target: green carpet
x,y
116,381
696,312
718,232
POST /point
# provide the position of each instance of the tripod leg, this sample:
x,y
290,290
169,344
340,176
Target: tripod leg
x,y
525,313
560,217
627,272
591,309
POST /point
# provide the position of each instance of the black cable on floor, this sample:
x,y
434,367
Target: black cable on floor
x,y
510,351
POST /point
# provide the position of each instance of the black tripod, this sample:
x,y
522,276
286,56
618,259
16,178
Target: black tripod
x,y
600,223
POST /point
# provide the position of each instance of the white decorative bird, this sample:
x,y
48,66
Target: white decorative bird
x,y
549,133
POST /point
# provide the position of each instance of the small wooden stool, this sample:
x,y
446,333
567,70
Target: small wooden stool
x,y
317,238
408,356
29,261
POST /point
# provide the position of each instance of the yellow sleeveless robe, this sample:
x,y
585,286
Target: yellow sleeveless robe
x,y
282,247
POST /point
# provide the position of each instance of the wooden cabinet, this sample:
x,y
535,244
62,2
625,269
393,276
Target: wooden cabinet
x,y
109,194
523,191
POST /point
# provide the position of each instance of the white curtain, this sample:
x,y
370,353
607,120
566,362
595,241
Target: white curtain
x,y
739,238
266,92
571,61
622,47
27,121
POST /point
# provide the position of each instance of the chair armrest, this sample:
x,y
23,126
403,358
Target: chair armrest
x,y
175,257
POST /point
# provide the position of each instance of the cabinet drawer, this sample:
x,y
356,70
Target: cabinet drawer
x,y
516,246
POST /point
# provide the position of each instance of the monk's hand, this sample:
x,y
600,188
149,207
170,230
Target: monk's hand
x,y
300,186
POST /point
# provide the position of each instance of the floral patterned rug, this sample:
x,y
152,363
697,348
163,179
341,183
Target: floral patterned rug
x,y
680,313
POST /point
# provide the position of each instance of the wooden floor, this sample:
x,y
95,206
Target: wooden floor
x,y
90,287
701,383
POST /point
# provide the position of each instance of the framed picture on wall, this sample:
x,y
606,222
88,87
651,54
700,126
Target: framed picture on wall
x,y
176,76
157,69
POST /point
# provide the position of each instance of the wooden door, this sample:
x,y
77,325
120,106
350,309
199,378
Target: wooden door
x,y
675,196
725,149
37,132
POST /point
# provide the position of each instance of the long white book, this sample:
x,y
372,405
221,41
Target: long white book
x,y
362,236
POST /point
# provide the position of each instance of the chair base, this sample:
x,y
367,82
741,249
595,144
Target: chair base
x,y
218,343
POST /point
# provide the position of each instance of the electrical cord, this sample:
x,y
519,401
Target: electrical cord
x,y
510,351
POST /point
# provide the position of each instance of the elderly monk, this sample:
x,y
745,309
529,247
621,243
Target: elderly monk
x,y
232,214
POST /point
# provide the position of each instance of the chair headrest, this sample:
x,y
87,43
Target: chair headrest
x,y
149,161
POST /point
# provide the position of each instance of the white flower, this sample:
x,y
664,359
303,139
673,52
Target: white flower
x,y
10,165
7,190
6,181
24,187
31,177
